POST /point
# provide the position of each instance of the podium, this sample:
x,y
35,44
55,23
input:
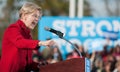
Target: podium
x,y
71,65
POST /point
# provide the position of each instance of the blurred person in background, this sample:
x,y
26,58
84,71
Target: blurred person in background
x,y
107,67
52,54
105,53
56,55
74,53
117,67
112,60
97,66
81,49
18,45
116,52
46,52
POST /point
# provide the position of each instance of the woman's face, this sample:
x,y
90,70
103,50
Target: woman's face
x,y
31,20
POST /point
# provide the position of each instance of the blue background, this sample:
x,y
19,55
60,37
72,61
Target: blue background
x,y
62,22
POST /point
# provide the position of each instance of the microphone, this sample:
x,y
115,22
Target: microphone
x,y
60,34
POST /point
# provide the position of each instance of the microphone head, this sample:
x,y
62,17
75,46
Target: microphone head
x,y
47,28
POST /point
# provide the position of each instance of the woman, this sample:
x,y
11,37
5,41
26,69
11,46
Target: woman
x,y
17,44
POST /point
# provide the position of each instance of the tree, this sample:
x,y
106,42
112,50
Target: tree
x,y
112,10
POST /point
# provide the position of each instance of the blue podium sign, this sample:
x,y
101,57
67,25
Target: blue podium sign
x,y
87,65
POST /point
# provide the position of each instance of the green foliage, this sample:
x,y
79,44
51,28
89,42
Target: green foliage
x,y
54,7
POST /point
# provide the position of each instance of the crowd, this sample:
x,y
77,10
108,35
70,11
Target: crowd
x,y
107,60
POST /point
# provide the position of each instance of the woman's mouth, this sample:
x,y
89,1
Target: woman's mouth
x,y
34,23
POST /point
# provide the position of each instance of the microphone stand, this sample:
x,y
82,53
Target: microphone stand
x,y
60,34
71,44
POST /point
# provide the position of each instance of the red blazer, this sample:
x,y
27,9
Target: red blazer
x,y
17,46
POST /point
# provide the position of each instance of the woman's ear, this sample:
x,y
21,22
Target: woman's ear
x,y
23,16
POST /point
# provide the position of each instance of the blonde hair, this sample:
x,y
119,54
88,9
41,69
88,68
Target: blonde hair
x,y
28,8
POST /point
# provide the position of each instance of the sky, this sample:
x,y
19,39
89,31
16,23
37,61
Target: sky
x,y
98,7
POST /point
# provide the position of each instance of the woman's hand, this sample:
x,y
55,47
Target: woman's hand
x,y
46,43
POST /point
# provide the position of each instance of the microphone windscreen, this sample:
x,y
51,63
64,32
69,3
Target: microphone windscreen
x,y
47,28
